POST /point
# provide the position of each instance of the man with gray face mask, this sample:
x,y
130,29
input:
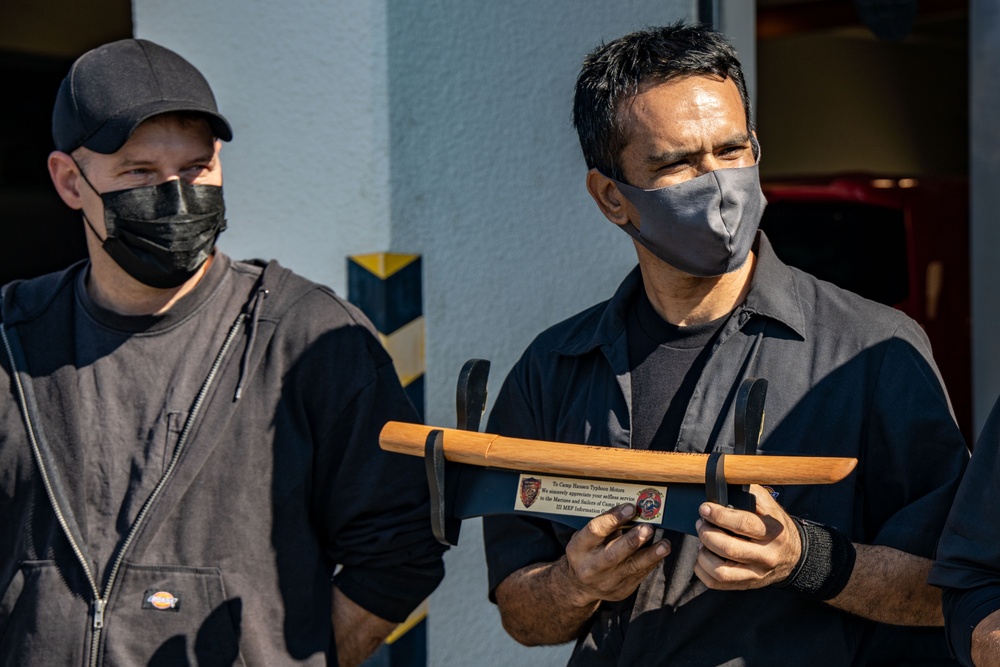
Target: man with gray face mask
x,y
188,446
811,576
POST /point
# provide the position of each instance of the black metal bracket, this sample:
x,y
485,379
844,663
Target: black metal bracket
x,y
748,424
721,492
749,417
470,395
444,525
442,476
716,488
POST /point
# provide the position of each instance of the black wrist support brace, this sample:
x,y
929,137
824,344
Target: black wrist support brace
x,y
826,562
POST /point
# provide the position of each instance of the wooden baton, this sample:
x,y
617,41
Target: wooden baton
x,y
540,456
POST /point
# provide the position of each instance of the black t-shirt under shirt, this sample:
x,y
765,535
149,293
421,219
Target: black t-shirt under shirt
x,y
665,362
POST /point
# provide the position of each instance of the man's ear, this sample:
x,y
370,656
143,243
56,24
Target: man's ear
x,y
609,198
66,179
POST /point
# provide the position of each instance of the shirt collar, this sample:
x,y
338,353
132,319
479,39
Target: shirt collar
x,y
178,313
773,294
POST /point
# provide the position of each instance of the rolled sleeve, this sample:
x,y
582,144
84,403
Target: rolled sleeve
x,y
373,506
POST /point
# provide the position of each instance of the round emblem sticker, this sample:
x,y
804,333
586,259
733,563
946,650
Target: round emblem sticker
x,y
649,503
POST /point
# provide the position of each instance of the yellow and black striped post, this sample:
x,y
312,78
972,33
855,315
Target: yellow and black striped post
x,y
388,288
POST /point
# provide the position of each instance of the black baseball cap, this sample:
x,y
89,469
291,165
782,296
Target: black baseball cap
x,y
112,89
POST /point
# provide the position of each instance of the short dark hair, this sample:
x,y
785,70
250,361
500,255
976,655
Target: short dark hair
x,y
612,74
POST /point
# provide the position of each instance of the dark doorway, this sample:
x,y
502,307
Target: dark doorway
x,y
38,42
863,119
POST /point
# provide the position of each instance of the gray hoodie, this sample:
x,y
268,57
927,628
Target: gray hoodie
x,y
274,478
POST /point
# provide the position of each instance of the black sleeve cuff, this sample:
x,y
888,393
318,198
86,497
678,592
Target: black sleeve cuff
x,y
513,542
389,594
964,609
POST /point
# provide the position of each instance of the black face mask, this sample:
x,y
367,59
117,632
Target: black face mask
x,y
162,234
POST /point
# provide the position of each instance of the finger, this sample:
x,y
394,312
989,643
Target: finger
x,y
618,582
707,577
618,551
622,547
704,567
643,561
598,529
740,522
766,504
721,574
761,555
727,546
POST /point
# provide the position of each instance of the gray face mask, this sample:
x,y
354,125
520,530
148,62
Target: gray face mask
x,y
704,226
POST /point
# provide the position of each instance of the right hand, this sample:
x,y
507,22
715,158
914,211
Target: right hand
x,y
607,564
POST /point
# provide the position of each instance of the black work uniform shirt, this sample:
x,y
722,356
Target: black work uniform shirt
x,y
968,565
847,377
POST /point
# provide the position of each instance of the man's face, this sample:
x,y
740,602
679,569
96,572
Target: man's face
x,y
161,149
682,129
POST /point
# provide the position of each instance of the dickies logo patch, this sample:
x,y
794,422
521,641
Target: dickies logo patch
x,y
160,601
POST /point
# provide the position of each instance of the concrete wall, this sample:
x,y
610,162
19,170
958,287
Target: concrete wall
x,y
306,175
738,21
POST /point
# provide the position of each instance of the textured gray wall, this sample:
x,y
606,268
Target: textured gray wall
x,y
304,86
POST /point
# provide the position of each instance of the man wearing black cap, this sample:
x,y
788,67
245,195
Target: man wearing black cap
x,y
189,448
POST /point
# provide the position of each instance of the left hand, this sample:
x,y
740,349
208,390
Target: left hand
x,y
744,550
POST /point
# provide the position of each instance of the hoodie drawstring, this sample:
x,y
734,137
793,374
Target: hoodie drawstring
x,y
254,308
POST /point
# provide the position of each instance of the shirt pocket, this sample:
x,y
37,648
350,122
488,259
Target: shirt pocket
x,y
175,425
41,621
172,615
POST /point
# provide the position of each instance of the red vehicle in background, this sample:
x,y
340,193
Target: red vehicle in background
x,y
901,241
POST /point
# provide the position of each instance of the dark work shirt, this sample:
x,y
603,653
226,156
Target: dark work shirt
x,y
968,565
847,377
665,362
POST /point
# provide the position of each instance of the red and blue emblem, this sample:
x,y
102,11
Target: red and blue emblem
x,y
648,504
530,486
